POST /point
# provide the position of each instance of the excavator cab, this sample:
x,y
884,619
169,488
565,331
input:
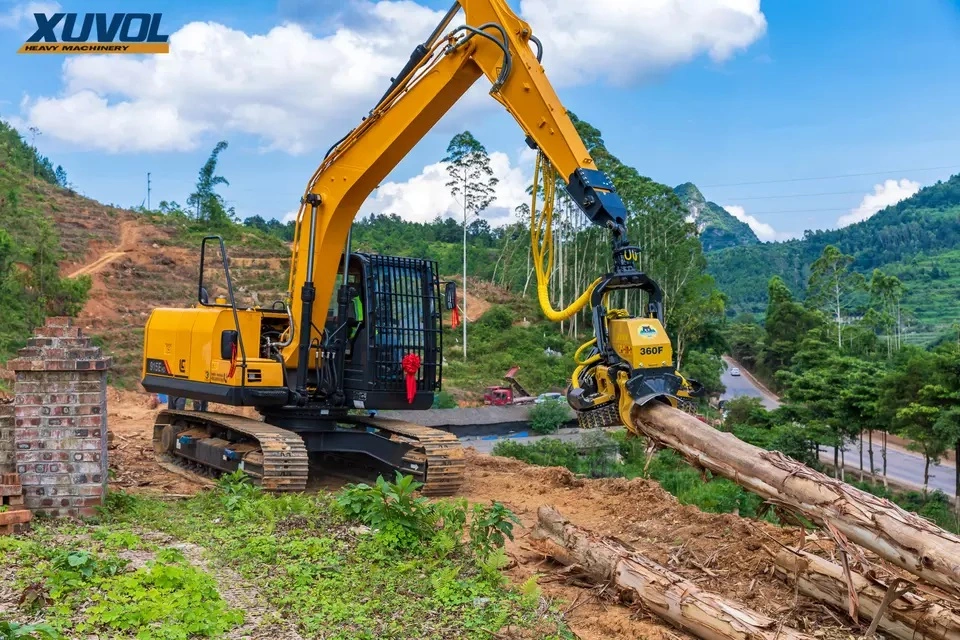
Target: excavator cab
x,y
388,310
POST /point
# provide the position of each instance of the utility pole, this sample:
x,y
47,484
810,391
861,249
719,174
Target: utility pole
x,y
464,269
34,132
148,191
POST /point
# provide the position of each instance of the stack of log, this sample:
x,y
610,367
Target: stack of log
x,y
907,589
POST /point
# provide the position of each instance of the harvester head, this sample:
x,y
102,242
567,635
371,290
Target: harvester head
x,y
631,361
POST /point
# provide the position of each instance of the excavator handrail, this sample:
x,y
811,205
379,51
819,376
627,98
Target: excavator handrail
x,y
233,301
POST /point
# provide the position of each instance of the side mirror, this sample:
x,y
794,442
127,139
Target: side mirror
x,y
228,344
450,295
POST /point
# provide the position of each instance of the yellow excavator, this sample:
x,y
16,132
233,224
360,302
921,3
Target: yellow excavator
x,y
316,373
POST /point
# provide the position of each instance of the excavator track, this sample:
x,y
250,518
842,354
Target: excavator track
x,y
276,458
606,415
439,454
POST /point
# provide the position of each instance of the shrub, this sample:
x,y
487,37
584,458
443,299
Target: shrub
x,y
236,489
744,410
444,400
400,517
497,317
548,452
490,527
549,416
405,521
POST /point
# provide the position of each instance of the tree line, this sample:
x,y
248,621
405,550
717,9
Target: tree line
x,y
844,377
924,224
31,287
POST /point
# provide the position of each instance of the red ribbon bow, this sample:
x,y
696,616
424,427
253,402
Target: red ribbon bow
x,y
411,364
233,360
455,317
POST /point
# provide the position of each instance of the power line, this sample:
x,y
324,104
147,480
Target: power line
x,y
845,175
798,195
792,211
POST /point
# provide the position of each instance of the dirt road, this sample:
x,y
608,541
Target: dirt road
x,y
128,241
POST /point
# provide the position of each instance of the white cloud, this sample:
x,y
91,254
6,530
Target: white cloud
x,y
763,231
426,196
885,194
22,14
293,89
625,41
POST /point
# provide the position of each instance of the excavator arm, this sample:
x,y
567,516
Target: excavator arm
x,y
491,42
303,372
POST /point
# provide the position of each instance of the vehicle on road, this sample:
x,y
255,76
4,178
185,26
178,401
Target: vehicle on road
x,y
734,371
548,397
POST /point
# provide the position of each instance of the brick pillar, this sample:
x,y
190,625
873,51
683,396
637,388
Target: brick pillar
x,y
60,420
7,464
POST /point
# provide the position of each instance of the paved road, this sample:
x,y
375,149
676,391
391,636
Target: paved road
x,y
744,385
902,465
485,445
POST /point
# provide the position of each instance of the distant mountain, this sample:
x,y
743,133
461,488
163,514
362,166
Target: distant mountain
x,y
718,229
916,239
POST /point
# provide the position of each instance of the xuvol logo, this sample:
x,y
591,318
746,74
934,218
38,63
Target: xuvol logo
x,y
97,33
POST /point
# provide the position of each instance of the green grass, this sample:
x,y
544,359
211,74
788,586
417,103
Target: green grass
x,y
318,570
495,344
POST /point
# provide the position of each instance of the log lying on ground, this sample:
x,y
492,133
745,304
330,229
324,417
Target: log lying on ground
x,y
909,616
894,534
662,592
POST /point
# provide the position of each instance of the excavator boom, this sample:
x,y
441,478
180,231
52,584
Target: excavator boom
x,y
377,345
492,42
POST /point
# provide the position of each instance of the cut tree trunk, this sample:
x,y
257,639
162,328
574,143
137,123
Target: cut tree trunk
x,y
680,602
908,617
896,535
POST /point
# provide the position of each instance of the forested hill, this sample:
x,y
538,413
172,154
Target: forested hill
x,y
718,229
916,239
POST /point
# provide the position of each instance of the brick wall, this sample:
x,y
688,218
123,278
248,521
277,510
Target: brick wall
x,y
60,420
6,436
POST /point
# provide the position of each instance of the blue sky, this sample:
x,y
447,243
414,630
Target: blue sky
x,y
742,100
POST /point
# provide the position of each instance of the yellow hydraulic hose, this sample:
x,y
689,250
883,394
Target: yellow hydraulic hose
x,y
541,244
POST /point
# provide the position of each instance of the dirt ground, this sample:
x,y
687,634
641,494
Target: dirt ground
x,y
719,552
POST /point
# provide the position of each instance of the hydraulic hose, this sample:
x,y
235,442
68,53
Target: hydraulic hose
x,y
541,244
502,43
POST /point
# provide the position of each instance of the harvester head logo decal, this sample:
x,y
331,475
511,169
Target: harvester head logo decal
x,y
97,33
646,331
